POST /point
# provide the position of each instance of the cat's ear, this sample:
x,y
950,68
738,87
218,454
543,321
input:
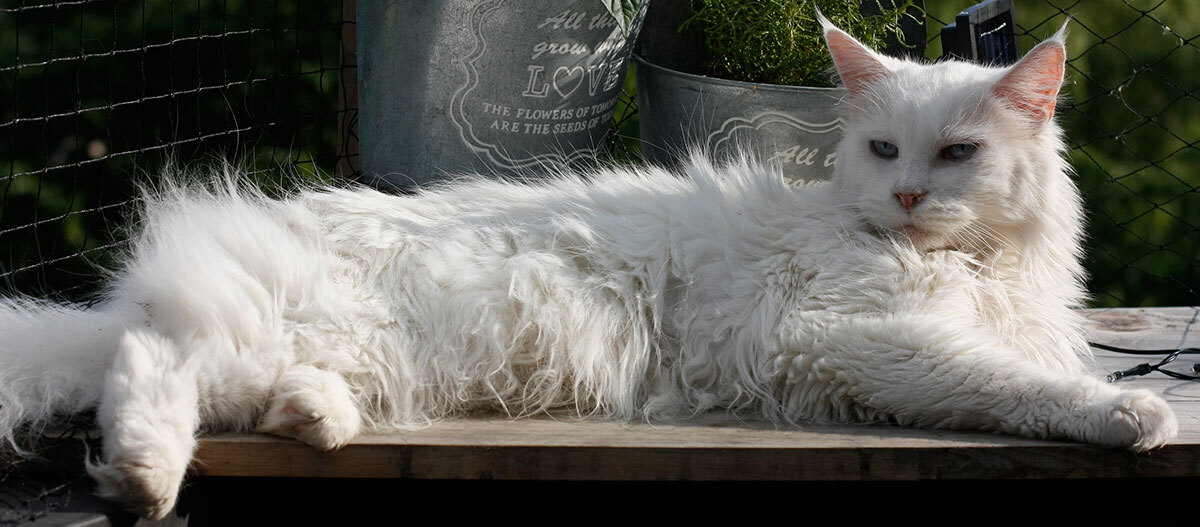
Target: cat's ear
x,y
856,64
1031,85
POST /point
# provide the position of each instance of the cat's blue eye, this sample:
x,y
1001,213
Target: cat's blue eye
x,y
884,149
958,151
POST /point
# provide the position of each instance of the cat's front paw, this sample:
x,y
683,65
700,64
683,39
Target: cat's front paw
x,y
144,485
1137,420
314,406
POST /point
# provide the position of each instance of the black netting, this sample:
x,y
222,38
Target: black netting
x,y
1131,116
92,92
95,91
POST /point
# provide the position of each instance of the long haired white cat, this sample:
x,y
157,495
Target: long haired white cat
x,y
929,284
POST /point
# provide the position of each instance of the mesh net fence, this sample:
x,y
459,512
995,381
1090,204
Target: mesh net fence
x,y
97,94
1130,114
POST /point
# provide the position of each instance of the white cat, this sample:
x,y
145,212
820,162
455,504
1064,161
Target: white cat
x,y
929,284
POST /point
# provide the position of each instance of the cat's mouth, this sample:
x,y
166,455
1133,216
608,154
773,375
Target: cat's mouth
x,y
923,238
918,232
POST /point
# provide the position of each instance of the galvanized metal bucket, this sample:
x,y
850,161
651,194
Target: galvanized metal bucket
x,y
794,128
489,86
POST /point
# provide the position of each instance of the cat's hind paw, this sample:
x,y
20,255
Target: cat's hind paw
x,y
1139,421
312,405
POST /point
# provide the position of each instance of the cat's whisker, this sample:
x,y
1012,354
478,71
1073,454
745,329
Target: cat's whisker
x,y
1002,221
993,234
978,238
985,244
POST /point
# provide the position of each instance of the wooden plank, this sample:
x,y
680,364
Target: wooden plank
x,y
1150,328
1160,327
719,448
606,463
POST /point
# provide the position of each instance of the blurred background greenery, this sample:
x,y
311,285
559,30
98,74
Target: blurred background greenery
x,y
96,95
1132,116
93,94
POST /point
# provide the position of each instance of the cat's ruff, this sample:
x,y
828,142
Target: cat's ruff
x,y
632,293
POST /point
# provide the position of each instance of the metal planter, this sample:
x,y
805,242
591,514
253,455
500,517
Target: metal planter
x,y
485,86
794,128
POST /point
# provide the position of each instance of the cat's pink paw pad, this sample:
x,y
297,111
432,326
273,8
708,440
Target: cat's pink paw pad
x,y
314,406
1140,421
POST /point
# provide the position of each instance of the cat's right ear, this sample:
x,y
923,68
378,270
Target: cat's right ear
x,y
856,64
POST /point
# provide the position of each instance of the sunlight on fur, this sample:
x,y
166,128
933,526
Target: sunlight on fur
x,y
930,284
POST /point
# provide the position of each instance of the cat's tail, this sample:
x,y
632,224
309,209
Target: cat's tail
x,y
53,360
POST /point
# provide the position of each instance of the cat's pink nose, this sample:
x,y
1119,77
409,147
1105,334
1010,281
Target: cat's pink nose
x,y
908,200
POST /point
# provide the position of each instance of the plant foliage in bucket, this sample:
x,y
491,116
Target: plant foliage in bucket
x,y
762,81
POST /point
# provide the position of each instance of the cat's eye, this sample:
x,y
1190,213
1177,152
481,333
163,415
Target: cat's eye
x,y
958,151
884,149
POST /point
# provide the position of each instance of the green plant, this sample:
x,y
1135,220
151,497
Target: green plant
x,y
780,41
624,11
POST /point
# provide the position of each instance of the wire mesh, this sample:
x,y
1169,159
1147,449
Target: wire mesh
x,y
1130,113
93,91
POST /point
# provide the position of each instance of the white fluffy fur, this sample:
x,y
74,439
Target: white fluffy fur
x,y
629,293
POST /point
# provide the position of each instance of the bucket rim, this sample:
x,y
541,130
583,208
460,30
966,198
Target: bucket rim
x,y
761,86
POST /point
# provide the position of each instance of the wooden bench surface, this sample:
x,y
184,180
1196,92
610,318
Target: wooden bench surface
x,y
718,448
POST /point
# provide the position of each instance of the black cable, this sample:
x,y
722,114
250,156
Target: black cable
x,y
1147,368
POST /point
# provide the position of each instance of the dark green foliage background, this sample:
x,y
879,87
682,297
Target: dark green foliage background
x,y
258,81
129,86
1132,117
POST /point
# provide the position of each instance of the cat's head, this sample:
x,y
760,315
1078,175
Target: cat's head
x,y
950,154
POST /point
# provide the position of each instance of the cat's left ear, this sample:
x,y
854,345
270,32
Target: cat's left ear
x,y
856,64
1031,85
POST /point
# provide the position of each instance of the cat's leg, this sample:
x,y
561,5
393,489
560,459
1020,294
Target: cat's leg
x,y
149,416
923,372
312,405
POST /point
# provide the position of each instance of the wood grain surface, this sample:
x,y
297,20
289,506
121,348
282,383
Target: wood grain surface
x,y
721,448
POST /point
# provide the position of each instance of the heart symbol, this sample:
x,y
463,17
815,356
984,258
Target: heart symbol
x,y
569,78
